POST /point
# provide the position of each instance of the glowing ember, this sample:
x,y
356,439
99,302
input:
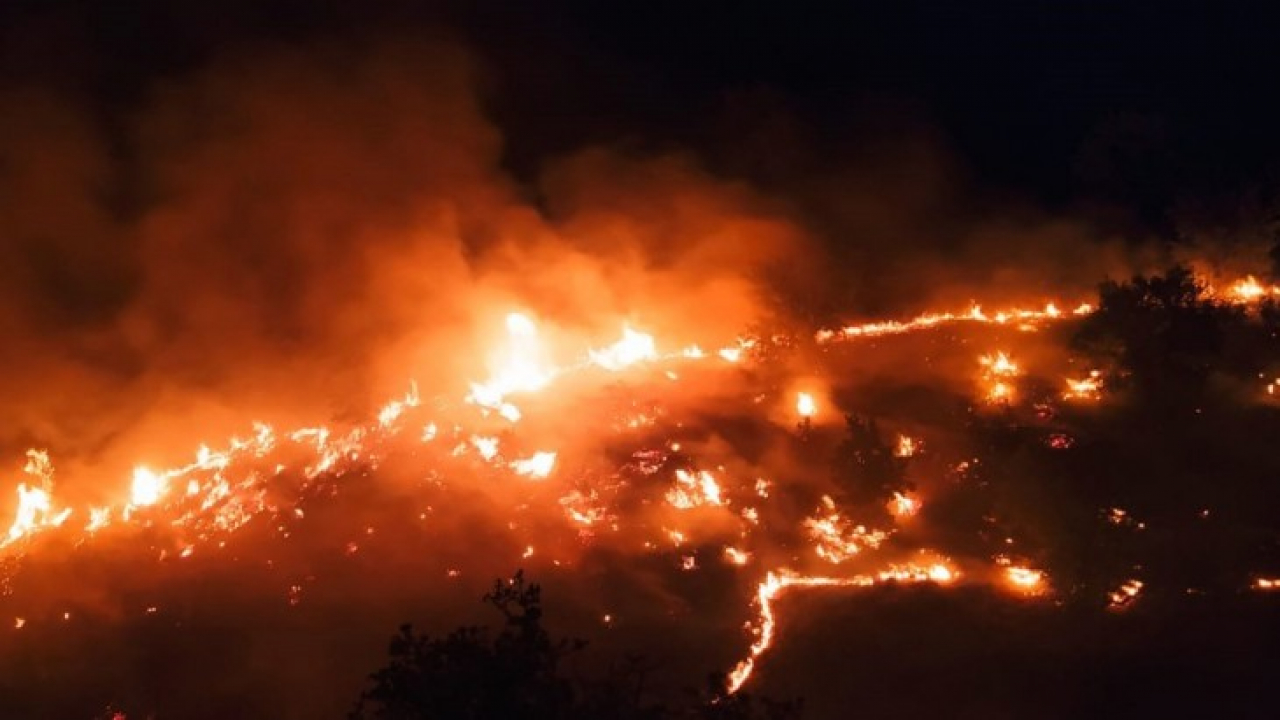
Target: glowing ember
x,y
906,447
1125,595
1000,393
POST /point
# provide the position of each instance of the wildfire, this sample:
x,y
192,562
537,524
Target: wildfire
x,y
212,494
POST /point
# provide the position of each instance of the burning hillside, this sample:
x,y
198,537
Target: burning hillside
x,y
319,317
646,461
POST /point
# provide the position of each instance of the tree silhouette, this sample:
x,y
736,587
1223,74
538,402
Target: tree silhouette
x,y
866,466
469,675
1162,332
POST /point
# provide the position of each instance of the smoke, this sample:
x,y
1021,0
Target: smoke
x,y
293,233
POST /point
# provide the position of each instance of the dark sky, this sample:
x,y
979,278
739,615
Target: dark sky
x,y
1181,94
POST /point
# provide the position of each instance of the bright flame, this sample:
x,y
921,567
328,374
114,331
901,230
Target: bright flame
x,y
999,365
1025,579
148,487
521,368
1089,388
634,347
805,405
903,505
1249,290
694,489
537,466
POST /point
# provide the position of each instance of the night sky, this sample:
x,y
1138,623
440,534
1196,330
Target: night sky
x,y
1136,104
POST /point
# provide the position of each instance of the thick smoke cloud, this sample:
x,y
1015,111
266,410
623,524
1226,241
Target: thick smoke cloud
x,y
296,232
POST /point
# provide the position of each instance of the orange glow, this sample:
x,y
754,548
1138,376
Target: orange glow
x,y
730,508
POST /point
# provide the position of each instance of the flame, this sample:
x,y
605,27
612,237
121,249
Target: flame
x,y
634,347
903,505
1249,290
764,628
694,489
521,367
209,494
35,504
1125,595
835,538
148,487
1025,579
537,466
999,365
805,405
1089,388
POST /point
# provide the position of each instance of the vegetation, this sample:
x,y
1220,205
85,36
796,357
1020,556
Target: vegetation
x,y
520,673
